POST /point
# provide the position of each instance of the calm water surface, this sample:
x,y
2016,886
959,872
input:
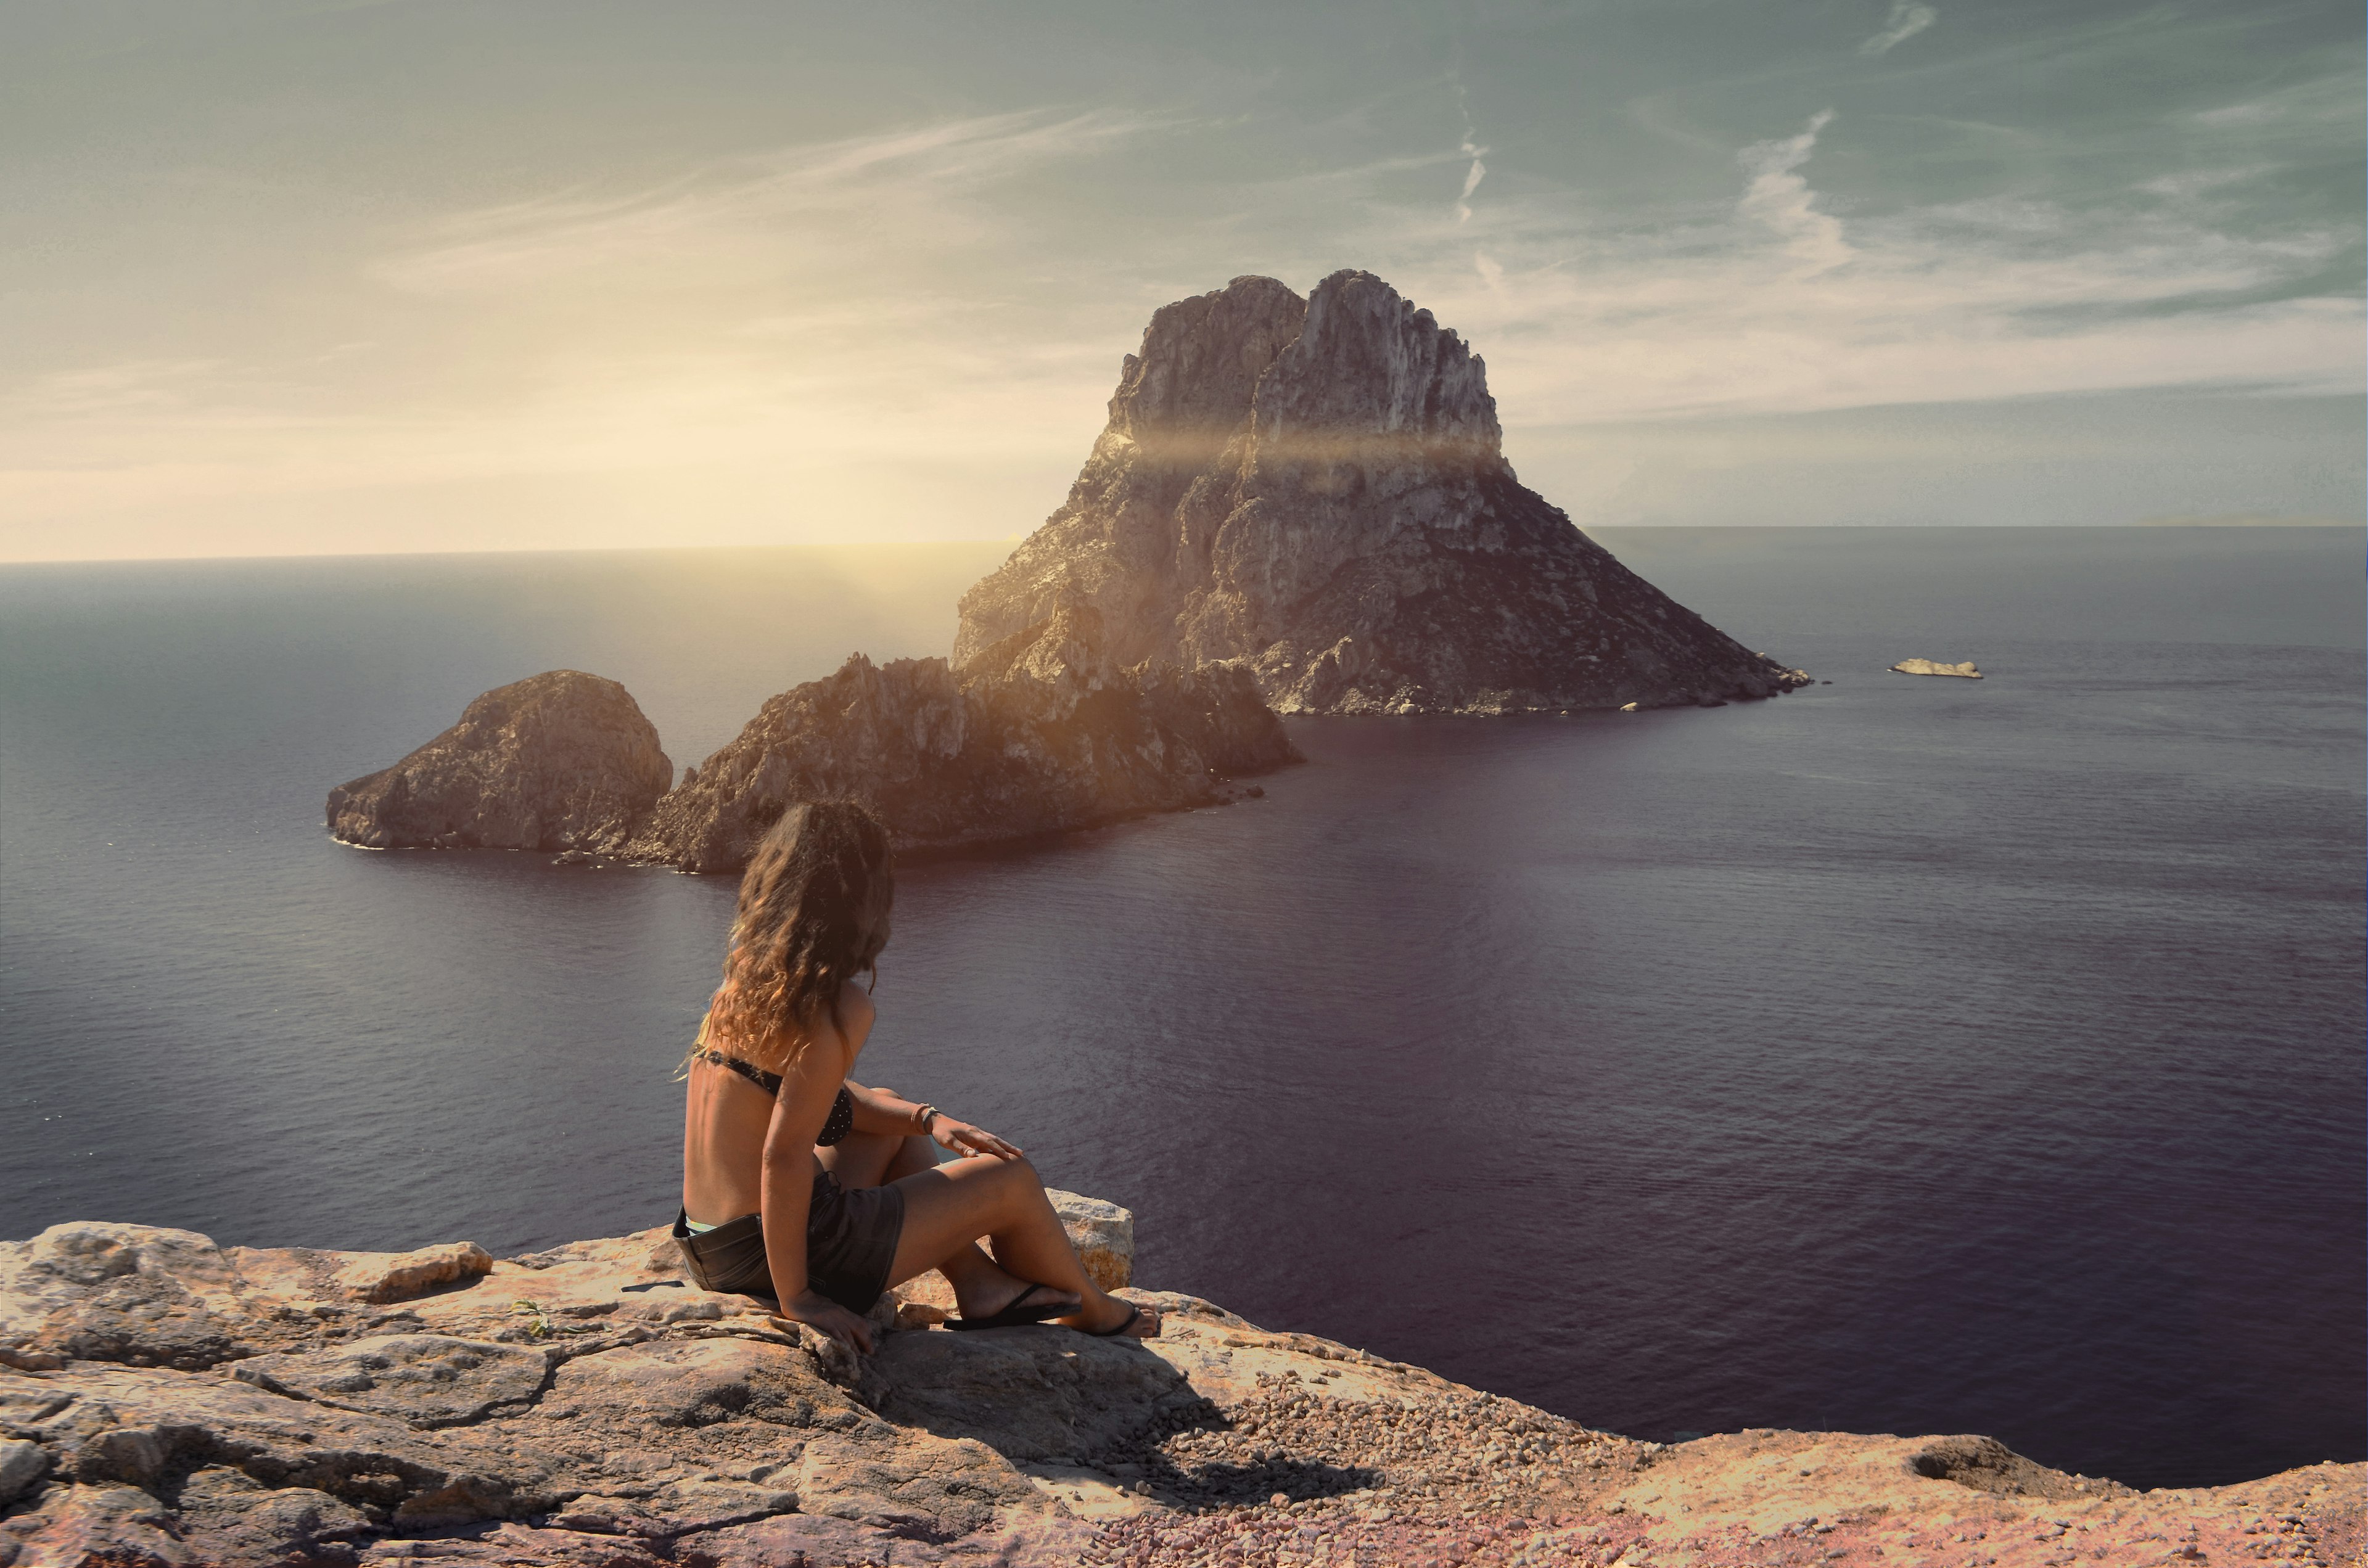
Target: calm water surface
x,y
1902,1055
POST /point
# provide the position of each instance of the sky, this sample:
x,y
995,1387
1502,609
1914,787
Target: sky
x,y
296,277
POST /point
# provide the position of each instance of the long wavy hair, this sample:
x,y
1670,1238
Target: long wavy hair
x,y
814,915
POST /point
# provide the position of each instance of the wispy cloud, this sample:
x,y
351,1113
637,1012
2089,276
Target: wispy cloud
x,y
1472,179
1907,18
1778,305
2257,113
138,385
913,332
1779,197
1469,148
759,217
807,335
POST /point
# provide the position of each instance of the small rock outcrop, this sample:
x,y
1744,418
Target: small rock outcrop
x,y
562,760
1038,731
1927,667
1317,488
589,1405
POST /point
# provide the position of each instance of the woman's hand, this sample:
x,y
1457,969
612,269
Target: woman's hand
x,y
816,1310
963,1139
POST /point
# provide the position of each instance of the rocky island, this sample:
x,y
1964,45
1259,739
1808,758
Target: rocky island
x,y
166,1401
1316,488
1298,506
1927,667
1040,732
562,760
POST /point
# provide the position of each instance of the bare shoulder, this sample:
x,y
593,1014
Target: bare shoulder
x,y
854,1015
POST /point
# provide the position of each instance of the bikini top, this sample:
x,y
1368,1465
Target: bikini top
x,y
837,1125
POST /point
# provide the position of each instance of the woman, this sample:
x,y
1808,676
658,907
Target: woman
x,y
798,1182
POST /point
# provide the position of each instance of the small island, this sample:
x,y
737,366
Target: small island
x,y
1039,732
1927,667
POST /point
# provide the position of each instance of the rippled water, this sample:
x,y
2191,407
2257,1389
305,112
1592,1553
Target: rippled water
x,y
1909,1055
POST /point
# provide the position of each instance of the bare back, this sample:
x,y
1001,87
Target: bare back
x,y
726,1119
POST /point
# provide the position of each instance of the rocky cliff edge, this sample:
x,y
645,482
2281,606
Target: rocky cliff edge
x,y
167,1401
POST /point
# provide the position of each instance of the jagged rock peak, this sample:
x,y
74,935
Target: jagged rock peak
x,y
1201,359
1318,491
1373,375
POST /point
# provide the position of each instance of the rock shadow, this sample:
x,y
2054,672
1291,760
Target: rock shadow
x,y
1034,1394
1222,1483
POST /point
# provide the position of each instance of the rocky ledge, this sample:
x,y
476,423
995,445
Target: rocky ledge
x,y
561,760
1927,667
167,1401
1317,487
1041,731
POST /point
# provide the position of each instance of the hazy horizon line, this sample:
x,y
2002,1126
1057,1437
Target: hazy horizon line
x,y
2250,522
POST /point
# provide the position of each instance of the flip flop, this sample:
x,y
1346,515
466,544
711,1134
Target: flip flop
x,y
1134,1316
1018,1316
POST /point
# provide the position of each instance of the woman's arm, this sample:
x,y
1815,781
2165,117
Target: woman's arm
x,y
877,1110
786,1182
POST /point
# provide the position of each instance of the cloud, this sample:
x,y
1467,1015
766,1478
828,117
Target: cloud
x,y
915,332
783,337
134,386
1776,306
2246,520
1472,179
757,217
1469,148
2237,114
1779,198
1907,18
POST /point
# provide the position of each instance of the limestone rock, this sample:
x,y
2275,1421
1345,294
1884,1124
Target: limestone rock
x,y
1040,732
394,1277
1927,667
104,1293
21,1464
589,1405
1103,1235
561,760
1317,488
429,1380
1102,1232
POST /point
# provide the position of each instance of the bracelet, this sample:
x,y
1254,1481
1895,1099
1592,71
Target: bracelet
x,y
930,1113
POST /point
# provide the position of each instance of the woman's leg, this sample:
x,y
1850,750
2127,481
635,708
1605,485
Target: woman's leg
x,y
951,1205
979,1287
875,1159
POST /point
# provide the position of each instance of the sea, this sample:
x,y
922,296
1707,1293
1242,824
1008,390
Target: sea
x,y
1909,1055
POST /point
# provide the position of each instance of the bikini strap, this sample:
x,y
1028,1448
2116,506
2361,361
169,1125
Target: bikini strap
x,y
769,1082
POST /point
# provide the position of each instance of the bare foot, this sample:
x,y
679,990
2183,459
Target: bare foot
x,y
984,1297
1111,1320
